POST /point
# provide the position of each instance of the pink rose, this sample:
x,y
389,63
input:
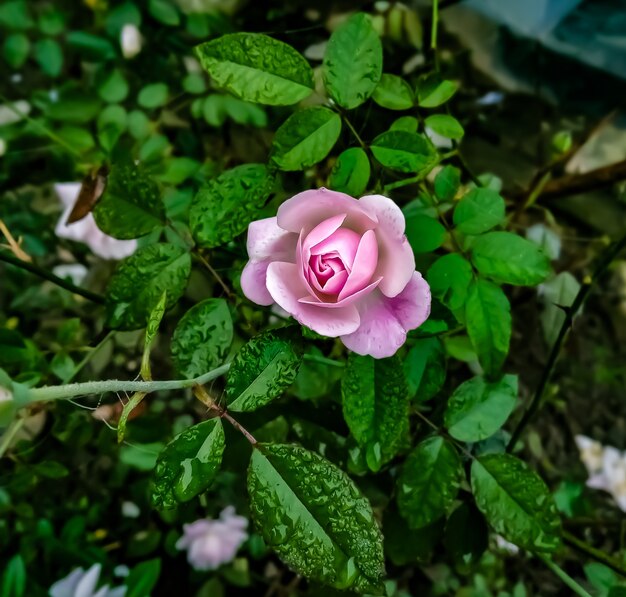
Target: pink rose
x,y
340,266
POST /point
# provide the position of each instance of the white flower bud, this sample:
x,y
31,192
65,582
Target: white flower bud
x,y
130,40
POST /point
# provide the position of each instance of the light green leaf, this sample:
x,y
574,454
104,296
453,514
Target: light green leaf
x,y
393,93
351,172
425,368
153,95
447,183
408,124
226,206
188,465
14,577
432,91
131,205
74,106
404,151
445,125
49,56
262,370
516,502
375,404
15,49
353,62
488,316
202,338
510,259
257,68
449,278
478,211
313,515
477,408
143,578
556,295
305,138
425,234
140,280
429,482
112,86
90,47
164,11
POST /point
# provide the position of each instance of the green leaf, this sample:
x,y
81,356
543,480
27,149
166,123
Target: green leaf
x,y
477,408
466,536
164,11
91,48
353,62
425,368
14,15
478,211
226,206
425,234
113,87
351,172
131,205
432,91
51,21
143,578
510,259
49,56
305,138
447,183
556,294
140,280
202,338
375,404
393,93
404,151
257,68
178,170
449,279
262,370
516,502
138,124
14,578
152,329
445,125
112,122
15,49
488,316
313,515
429,482
153,95
405,123
74,106
188,465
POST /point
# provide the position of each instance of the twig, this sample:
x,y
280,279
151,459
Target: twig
x,y
594,553
608,256
566,578
42,273
14,246
217,277
10,434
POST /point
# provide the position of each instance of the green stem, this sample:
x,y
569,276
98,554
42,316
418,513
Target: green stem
x,y
42,273
435,26
10,434
594,553
324,360
566,578
353,130
605,261
114,385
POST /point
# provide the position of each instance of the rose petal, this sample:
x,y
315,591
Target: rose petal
x,y
343,242
286,285
396,262
253,282
314,300
385,321
266,239
364,265
305,210
336,283
321,232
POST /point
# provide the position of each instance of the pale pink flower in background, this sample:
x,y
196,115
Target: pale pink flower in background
x,y
81,583
211,543
130,41
86,230
340,266
606,467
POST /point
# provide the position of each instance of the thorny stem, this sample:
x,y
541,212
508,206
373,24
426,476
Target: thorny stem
x,y
201,394
605,261
42,273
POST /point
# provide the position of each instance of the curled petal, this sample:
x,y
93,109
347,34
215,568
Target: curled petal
x,y
266,239
253,282
385,321
285,284
364,265
396,262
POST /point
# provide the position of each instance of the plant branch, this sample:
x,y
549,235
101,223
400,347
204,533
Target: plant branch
x,y
564,576
603,263
42,273
594,553
74,390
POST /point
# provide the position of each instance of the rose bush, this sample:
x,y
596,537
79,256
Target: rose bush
x,y
340,266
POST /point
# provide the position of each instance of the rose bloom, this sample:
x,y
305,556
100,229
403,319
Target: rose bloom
x,y
211,543
340,266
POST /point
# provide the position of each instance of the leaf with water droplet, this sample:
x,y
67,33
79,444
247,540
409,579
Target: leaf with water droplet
x,y
334,540
187,466
516,502
429,482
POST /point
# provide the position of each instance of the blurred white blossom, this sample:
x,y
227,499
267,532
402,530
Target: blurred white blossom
x,y
546,238
606,467
81,583
211,543
130,40
86,231
76,272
